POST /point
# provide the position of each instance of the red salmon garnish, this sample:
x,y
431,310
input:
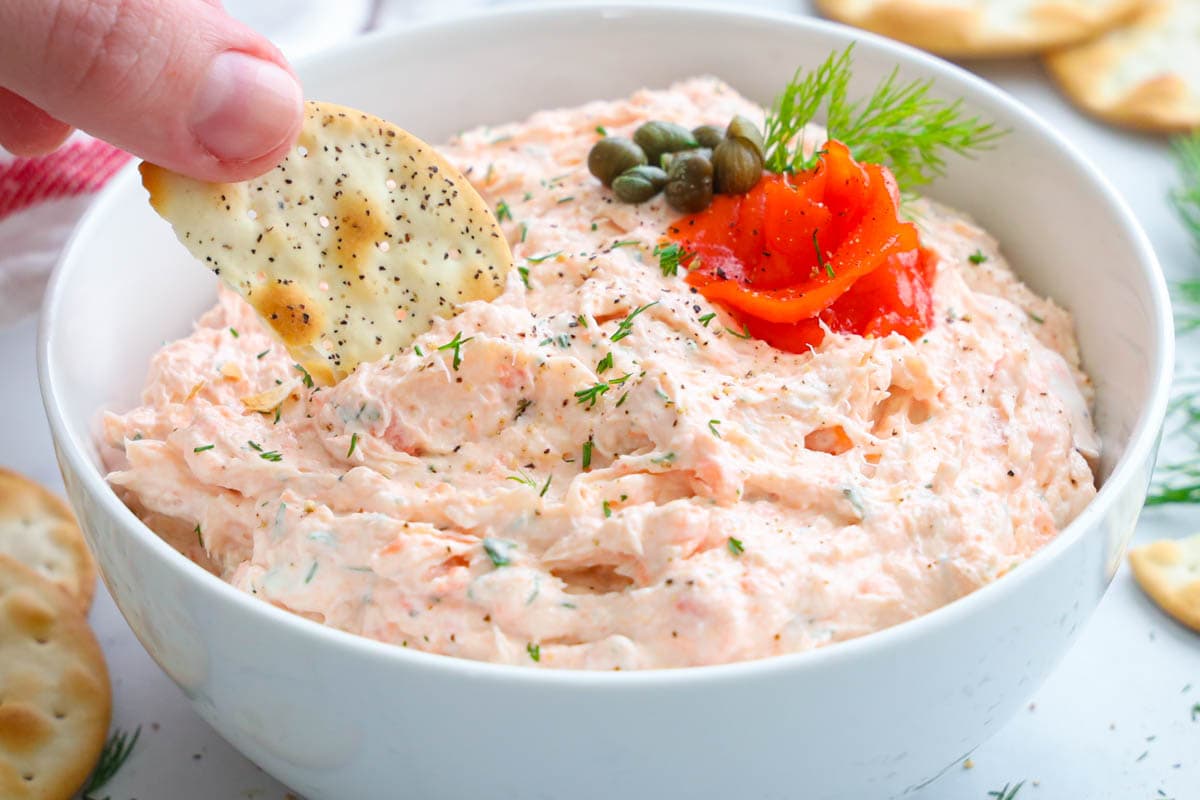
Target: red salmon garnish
x,y
823,246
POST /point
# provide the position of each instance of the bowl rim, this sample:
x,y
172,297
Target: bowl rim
x,y
1142,439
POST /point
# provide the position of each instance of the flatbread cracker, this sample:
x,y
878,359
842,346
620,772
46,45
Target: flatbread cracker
x,y
1169,571
55,700
983,28
1144,76
38,529
350,247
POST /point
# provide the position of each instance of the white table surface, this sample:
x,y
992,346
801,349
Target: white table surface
x,y
1112,723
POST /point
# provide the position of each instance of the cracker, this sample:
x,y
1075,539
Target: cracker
x,y
55,700
1169,571
983,28
1144,76
351,246
38,529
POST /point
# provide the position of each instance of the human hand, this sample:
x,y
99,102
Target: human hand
x,y
176,82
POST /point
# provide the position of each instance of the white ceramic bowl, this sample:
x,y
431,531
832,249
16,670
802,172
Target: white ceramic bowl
x,y
337,716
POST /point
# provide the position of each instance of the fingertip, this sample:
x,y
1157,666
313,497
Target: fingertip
x,y
227,171
247,111
25,130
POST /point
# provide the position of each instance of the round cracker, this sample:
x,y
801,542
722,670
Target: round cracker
x,y
1144,76
983,28
39,530
55,699
350,247
1169,571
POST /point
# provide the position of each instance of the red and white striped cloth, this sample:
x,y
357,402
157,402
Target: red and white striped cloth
x,y
41,199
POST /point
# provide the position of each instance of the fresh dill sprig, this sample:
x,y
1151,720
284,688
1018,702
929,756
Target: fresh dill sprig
x,y
744,333
113,756
499,551
1006,793
308,381
1177,479
671,257
1177,476
822,264
456,344
523,478
592,393
1186,196
900,125
625,326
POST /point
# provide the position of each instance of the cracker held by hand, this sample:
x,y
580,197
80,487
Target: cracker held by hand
x,y
1169,571
351,246
976,28
54,686
38,529
1146,75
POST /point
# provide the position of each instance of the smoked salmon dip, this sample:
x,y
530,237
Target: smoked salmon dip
x,y
602,469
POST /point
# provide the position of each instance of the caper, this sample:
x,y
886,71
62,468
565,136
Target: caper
x,y
667,158
611,156
656,138
737,166
708,135
639,184
742,128
689,183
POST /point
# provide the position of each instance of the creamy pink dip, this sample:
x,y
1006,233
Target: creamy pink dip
x,y
691,515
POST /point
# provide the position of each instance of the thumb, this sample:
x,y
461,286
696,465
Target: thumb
x,y
177,82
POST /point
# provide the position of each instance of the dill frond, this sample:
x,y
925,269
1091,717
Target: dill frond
x,y
113,756
1177,474
900,125
1186,196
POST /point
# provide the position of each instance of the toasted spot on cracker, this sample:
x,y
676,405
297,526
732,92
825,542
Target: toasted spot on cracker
x,y
1169,572
350,247
291,313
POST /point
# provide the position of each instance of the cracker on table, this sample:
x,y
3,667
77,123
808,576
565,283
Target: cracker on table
x,y
55,700
1145,75
351,246
1169,571
983,28
39,530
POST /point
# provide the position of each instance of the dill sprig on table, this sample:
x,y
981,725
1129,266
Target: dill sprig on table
x,y
1006,793
1177,477
113,756
899,125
